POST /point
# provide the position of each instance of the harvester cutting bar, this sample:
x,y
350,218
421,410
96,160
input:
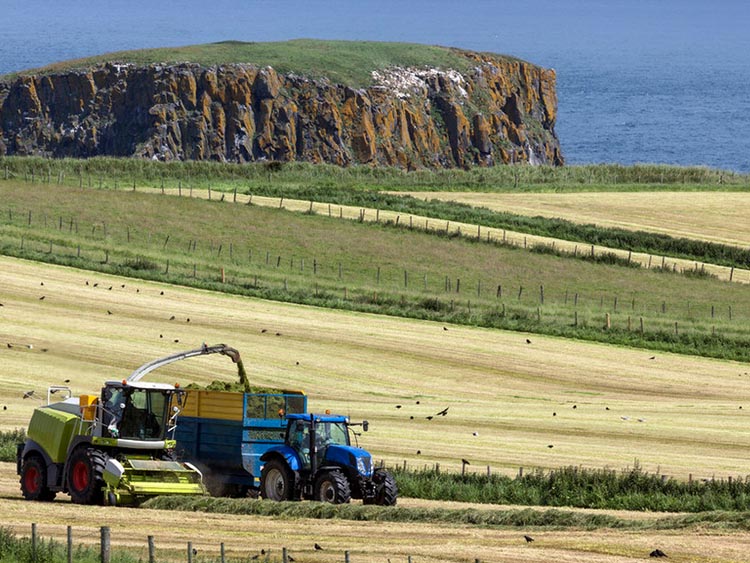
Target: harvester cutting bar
x,y
139,373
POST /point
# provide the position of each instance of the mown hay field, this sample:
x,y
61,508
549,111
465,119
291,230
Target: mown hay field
x,y
718,216
495,383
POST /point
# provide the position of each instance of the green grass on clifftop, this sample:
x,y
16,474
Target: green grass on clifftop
x,y
344,62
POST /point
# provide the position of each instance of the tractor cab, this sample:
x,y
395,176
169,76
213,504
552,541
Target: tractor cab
x,y
139,411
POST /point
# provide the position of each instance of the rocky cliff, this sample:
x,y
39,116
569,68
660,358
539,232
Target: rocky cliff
x,y
500,111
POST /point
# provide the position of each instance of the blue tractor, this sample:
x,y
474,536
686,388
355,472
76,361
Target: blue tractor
x,y
318,462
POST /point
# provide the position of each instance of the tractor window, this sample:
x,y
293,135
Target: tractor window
x,y
327,433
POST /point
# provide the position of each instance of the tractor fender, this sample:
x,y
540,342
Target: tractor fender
x,y
287,453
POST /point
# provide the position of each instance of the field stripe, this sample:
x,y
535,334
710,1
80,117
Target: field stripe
x,y
470,230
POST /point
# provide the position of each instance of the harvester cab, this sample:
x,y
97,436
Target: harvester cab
x,y
317,461
113,448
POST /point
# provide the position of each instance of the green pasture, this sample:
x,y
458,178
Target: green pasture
x,y
343,62
321,260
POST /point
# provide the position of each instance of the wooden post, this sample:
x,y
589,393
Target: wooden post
x,y
190,552
346,557
151,550
105,545
541,294
575,318
731,273
33,540
222,553
607,322
641,319
520,472
520,291
223,276
70,544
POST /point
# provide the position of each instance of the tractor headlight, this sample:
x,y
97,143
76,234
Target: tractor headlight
x,y
364,466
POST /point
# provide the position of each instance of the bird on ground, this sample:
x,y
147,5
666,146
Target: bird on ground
x,y
290,558
110,288
41,283
161,293
657,553
398,406
195,551
475,433
528,539
42,298
5,407
411,418
96,284
109,312
445,328
428,417
575,406
9,345
419,452
87,282
652,358
28,394
443,412
278,334
1,305
123,285
625,417
171,318
554,414
528,341
176,339
318,548
263,331
187,320
606,408
417,402
550,446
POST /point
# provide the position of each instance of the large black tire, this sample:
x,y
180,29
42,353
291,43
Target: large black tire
x,y
85,476
332,486
387,491
276,481
34,480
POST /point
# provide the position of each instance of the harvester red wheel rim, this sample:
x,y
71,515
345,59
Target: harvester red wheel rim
x,y
80,476
31,479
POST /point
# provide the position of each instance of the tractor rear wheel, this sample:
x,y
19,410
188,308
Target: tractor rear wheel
x,y
34,480
276,481
85,480
332,486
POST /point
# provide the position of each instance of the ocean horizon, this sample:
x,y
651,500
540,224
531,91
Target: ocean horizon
x,y
637,82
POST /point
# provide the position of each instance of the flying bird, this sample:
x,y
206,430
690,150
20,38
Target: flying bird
x,y
28,394
428,417
443,412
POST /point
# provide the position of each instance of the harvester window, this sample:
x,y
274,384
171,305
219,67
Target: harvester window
x,y
143,414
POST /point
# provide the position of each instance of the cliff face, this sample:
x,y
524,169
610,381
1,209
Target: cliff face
x,y
501,111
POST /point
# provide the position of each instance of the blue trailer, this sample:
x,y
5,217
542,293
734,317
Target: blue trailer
x,y
268,444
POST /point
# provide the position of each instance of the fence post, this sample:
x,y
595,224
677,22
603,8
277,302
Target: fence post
x,y
105,546
151,550
346,557
33,540
70,544
190,552
223,556
284,555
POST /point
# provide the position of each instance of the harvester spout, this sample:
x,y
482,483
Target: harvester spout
x,y
232,353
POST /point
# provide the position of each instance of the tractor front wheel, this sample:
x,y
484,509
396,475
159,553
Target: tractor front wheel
x,y
332,486
34,480
276,481
85,481
387,491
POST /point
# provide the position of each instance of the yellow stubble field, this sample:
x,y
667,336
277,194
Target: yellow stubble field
x,y
719,217
676,414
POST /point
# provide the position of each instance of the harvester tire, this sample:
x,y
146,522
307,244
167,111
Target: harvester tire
x,y
85,480
276,481
332,486
34,480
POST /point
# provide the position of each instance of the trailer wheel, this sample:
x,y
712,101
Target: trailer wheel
x,y
276,481
332,486
85,481
34,480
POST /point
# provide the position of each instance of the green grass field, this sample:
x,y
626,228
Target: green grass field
x,y
370,267
344,62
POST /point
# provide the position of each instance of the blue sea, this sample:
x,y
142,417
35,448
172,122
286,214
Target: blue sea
x,y
639,81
